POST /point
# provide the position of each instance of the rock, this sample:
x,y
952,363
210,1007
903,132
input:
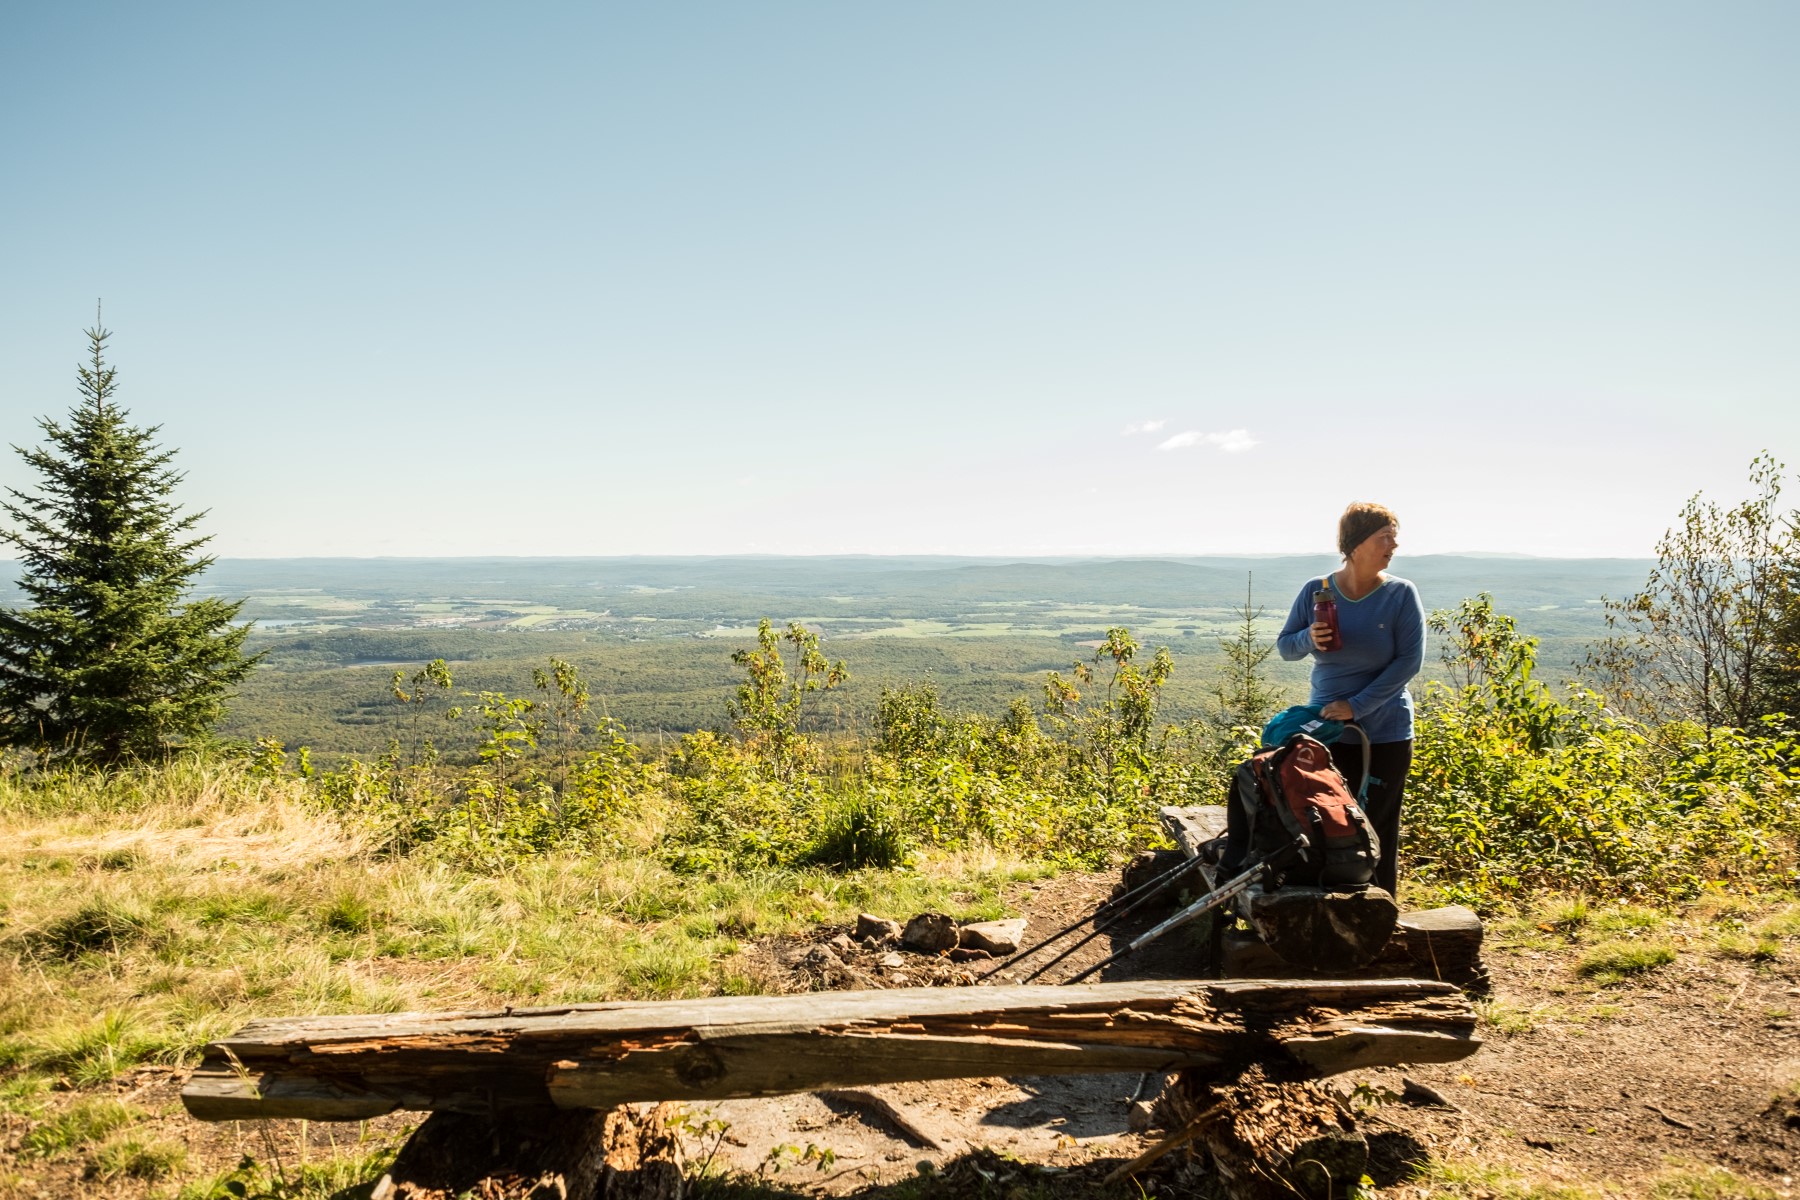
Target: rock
x,y
826,969
963,954
842,944
891,961
1142,1116
877,929
818,958
930,933
998,938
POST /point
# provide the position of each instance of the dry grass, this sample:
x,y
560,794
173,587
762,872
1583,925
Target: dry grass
x,y
145,914
142,916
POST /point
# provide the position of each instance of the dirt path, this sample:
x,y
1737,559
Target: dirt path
x,y
1663,1079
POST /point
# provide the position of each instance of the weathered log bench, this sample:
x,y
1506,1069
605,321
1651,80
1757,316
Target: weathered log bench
x,y
596,1056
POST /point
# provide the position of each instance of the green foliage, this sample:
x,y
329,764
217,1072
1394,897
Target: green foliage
x,y
731,809
1778,672
910,721
514,799
111,660
1079,785
1708,634
861,829
771,699
1513,790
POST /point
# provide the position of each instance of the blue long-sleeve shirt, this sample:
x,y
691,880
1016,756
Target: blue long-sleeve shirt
x,y
1382,645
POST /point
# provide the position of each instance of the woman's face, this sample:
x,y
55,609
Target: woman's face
x,y
1376,551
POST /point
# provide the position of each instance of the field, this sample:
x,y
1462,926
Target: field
x,y
654,636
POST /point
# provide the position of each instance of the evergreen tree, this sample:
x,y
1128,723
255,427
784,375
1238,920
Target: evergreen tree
x,y
110,660
1243,694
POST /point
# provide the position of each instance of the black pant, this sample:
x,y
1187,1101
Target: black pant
x,y
1389,763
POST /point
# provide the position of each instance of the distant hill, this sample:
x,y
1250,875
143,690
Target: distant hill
x,y
375,592
654,635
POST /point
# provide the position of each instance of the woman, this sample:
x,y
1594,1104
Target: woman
x,y
1363,676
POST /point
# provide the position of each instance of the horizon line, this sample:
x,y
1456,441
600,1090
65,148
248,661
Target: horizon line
x,y
1151,556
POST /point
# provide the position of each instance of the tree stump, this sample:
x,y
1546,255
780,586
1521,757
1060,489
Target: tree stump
x,y
627,1153
1269,1137
1323,931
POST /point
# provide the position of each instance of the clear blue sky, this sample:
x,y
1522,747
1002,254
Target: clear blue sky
x,y
725,277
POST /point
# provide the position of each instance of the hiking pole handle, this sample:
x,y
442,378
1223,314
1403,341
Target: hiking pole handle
x,y
1261,869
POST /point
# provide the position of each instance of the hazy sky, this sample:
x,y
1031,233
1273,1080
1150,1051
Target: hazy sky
x,y
1022,278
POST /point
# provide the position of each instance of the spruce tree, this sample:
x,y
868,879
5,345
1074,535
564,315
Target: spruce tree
x,y
111,659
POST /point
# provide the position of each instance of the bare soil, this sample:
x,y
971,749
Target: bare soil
x,y
1685,1069
1691,1067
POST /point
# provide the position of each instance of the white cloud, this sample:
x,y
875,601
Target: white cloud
x,y
1232,441
1141,427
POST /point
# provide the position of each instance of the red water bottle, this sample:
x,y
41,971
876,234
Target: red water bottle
x,y
1325,609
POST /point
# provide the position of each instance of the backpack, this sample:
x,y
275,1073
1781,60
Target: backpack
x,y
1292,789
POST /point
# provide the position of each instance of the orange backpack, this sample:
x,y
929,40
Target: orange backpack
x,y
1295,789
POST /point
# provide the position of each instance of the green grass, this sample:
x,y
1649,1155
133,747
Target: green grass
x,y
1784,923
82,1123
1625,920
101,925
1565,915
91,1051
130,1158
241,903
324,1179
1752,947
1707,1183
145,916
1511,1019
1468,1180
1615,961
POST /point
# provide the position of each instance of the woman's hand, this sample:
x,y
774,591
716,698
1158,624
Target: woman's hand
x,y
1338,710
1321,636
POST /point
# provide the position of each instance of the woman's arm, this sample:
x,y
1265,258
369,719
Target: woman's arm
x,y
1409,656
1295,639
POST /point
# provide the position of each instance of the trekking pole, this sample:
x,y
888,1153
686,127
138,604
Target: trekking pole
x,y
1237,886
1362,792
1107,915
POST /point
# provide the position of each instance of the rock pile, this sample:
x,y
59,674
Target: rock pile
x,y
930,949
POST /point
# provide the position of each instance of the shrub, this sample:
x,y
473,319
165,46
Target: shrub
x,y
863,829
1514,790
